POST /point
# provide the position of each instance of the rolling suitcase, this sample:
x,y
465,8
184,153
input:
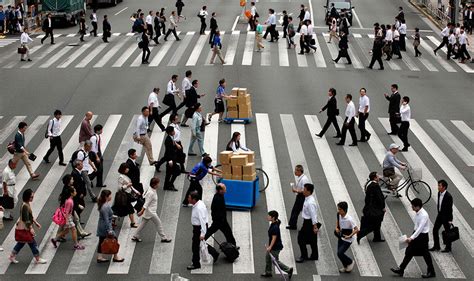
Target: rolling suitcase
x,y
230,251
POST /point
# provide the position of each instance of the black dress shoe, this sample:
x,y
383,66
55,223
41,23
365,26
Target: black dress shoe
x,y
62,164
428,275
192,154
397,271
46,161
368,137
378,240
446,250
291,227
300,259
353,144
319,135
405,149
266,275
433,249
290,272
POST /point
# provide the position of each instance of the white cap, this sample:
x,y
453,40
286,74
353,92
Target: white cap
x,y
394,145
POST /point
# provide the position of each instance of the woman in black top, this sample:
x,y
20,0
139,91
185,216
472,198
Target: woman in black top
x,y
274,246
82,27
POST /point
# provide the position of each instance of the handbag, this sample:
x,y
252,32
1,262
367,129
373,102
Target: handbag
x,y
59,218
168,99
140,203
312,41
204,253
7,202
22,50
11,147
110,246
22,234
450,235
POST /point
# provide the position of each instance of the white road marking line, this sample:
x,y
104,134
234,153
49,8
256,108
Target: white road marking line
x,y
125,55
446,262
57,35
56,57
81,260
120,11
318,55
465,230
300,59
85,61
74,55
409,62
464,67
249,46
10,128
453,142
115,34
424,61
461,183
130,34
283,51
43,55
71,35
127,246
363,255
326,265
356,63
106,57
273,193
311,10
193,58
364,49
357,35
357,18
138,60
47,187
232,48
242,226
208,58
162,53
162,257
333,51
22,178
15,62
181,48
265,55
464,128
235,23
441,61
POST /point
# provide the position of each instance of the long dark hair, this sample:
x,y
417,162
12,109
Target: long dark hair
x,y
274,214
235,135
104,194
65,195
67,179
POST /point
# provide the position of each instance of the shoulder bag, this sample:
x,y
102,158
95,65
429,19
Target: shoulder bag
x,y
110,246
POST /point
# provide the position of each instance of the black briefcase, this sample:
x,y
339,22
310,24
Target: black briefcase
x,y
7,202
450,235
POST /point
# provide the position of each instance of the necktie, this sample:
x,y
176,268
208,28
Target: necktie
x,y
98,146
439,202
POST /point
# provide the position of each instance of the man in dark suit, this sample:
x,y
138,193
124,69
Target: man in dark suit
x,y
48,29
171,150
219,217
343,48
401,15
79,185
213,26
191,100
374,210
393,108
444,217
107,29
134,170
332,112
156,26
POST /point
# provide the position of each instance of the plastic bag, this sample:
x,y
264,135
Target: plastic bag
x,y
204,253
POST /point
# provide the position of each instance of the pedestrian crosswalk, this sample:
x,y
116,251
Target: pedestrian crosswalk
x,y
440,148
238,49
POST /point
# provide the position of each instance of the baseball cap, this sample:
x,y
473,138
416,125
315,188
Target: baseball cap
x,y
394,145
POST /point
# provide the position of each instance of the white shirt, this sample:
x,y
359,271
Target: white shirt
x,y
350,111
177,132
310,210
300,182
457,31
153,99
445,32
271,19
151,203
84,156
422,223
396,35
389,35
9,178
142,125
304,30
462,39
405,112
172,22
235,149
440,201
55,131
94,17
363,102
253,10
199,216
49,22
403,29
171,89
307,16
347,223
95,143
203,13
310,29
149,19
452,39
186,85
25,38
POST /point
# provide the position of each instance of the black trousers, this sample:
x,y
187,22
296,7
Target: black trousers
x,y
181,105
146,54
150,30
464,54
99,174
418,247
396,49
211,36
333,120
223,226
307,41
285,31
196,241
296,210
303,46
376,58
194,185
351,129
393,122
445,42
437,225
417,52
403,45
172,172
273,32
48,32
203,26
156,117
94,31
157,33
171,107
343,54
450,51
403,133
171,30
363,132
307,236
370,224
55,142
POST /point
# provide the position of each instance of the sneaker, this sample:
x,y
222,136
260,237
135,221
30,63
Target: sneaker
x,y
41,261
342,269
13,259
79,247
350,267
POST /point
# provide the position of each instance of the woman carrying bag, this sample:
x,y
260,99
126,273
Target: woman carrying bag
x,y
125,185
24,231
104,227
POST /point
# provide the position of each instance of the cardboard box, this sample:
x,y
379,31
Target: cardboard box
x,y
226,169
234,92
227,176
249,178
245,107
237,178
236,170
224,157
232,114
232,108
246,114
243,99
248,169
232,102
242,92
239,160
250,156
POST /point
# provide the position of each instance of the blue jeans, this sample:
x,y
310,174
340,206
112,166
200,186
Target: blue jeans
x,y
342,247
200,139
33,247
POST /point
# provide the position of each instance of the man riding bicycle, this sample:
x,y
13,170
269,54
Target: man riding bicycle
x,y
390,162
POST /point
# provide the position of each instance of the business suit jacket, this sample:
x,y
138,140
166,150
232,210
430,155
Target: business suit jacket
x,y
394,103
343,43
445,213
331,107
218,208
374,201
191,97
45,26
213,23
80,187
170,149
106,27
133,172
19,142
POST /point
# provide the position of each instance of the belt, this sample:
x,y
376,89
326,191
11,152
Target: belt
x,y
141,135
10,184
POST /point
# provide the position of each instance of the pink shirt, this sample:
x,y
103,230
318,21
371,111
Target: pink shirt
x,y
68,207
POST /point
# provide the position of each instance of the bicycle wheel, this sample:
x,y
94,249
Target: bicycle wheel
x,y
419,189
263,179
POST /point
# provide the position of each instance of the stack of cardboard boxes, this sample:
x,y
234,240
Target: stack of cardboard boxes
x,y
238,166
239,104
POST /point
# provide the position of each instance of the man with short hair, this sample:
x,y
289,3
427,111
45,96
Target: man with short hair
x,y
96,155
89,168
54,135
309,231
149,23
79,186
171,91
298,188
140,135
8,187
271,22
393,108
445,35
191,100
134,170
197,129
332,113
349,123
172,27
48,29
363,114
20,150
185,86
444,217
171,152
154,106
86,132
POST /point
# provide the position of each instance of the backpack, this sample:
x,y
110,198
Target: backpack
x,y
74,156
11,147
59,217
46,133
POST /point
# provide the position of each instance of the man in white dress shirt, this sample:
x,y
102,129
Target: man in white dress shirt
x,y
444,34
185,85
349,123
171,91
418,241
8,187
25,39
405,113
301,180
154,106
309,231
93,18
363,114
149,23
199,221
54,135
89,169
96,140
271,22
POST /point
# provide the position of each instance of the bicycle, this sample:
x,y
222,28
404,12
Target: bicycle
x,y
261,174
415,187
